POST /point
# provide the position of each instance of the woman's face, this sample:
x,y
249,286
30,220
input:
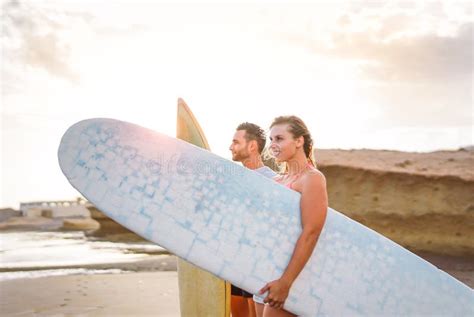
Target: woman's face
x,y
283,145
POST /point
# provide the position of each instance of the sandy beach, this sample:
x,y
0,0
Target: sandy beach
x,y
67,273
131,294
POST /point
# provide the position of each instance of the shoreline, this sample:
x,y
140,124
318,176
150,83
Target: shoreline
x,y
157,263
460,267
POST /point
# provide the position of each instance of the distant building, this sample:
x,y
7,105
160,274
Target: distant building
x,y
56,209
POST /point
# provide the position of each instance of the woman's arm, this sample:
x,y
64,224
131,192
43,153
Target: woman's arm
x,y
313,204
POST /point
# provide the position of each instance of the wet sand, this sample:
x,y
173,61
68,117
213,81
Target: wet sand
x,y
132,294
67,274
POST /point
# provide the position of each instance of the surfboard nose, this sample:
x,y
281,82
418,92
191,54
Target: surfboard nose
x,y
81,135
66,153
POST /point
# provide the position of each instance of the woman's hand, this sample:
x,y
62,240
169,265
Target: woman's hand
x,y
277,293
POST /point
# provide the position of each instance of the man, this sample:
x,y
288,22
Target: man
x,y
247,146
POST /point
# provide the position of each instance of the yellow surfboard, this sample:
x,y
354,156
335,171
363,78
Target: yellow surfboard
x,y
200,292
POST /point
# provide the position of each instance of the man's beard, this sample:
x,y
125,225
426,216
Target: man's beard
x,y
240,157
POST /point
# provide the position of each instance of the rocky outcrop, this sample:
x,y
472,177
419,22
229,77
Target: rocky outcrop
x,y
7,213
423,201
31,223
110,228
84,224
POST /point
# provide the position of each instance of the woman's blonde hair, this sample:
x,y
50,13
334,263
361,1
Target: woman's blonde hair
x,y
298,128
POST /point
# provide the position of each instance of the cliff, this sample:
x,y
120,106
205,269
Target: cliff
x,y
423,201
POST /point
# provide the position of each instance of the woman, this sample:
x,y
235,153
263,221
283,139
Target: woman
x,y
291,143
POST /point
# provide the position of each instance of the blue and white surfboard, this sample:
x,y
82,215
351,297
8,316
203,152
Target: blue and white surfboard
x,y
242,227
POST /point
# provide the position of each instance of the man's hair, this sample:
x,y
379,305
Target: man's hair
x,y
254,132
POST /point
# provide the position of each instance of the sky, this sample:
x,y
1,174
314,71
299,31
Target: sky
x,y
392,75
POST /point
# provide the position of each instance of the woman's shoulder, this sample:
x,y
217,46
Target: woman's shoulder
x,y
314,177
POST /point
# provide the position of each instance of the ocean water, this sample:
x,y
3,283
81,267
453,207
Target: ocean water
x,y
33,254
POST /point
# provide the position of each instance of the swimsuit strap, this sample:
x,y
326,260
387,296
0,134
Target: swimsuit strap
x,y
290,184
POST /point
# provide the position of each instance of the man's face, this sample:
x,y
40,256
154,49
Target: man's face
x,y
239,146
